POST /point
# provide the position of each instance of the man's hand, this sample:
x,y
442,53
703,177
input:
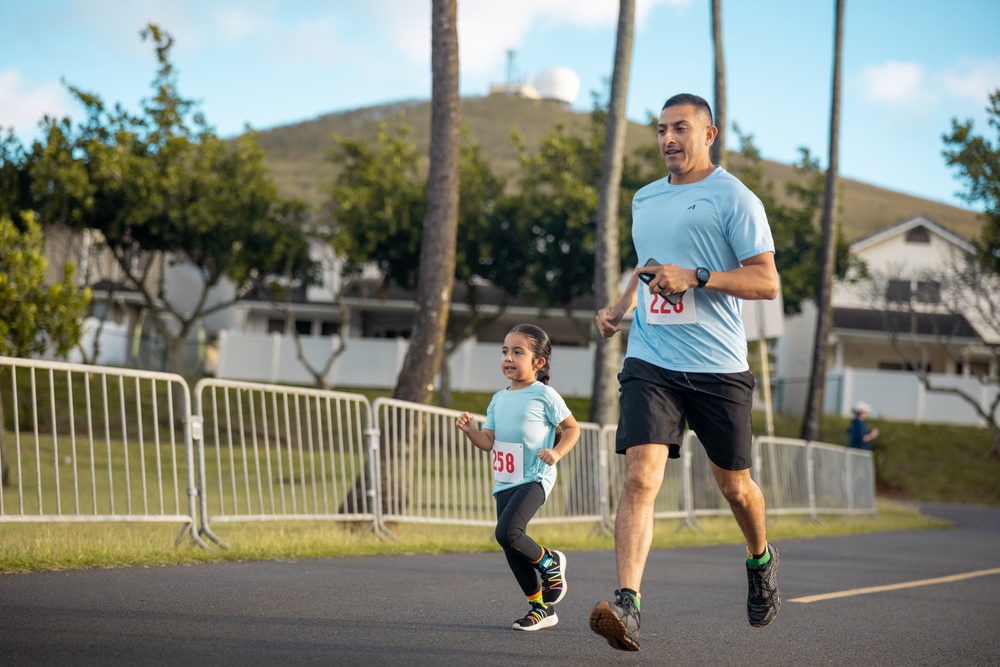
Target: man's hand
x,y
609,321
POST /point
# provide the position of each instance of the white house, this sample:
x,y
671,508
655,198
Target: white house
x,y
862,362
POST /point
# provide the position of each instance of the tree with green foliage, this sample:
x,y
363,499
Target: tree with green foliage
x,y
978,162
160,187
557,204
377,205
795,224
34,317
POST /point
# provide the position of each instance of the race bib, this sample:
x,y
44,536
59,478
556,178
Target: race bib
x,y
508,461
661,311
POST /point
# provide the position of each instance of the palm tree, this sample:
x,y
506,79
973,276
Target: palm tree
x,y
718,151
812,420
607,359
437,251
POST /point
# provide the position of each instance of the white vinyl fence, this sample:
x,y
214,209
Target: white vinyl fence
x,y
88,443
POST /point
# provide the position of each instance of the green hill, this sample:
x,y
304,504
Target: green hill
x,y
297,155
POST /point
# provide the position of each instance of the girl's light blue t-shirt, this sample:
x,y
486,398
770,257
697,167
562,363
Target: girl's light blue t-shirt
x,y
528,416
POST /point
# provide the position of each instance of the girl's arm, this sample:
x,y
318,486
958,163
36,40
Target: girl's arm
x,y
481,439
566,442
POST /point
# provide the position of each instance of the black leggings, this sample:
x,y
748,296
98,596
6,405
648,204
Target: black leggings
x,y
515,507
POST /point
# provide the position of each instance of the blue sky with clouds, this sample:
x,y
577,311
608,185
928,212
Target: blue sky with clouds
x,y
908,68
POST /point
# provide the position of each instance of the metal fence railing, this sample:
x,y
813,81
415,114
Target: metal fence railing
x,y
90,443
83,443
270,452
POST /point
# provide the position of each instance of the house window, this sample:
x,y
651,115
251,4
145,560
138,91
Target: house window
x,y
976,368
918,235
928,291
890,366
275,325
329,329
898,291
900,366
304,327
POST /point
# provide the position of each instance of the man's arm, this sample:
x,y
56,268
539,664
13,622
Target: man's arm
x,y
609,320
756,278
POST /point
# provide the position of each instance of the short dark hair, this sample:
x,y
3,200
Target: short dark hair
x,y
541,347
694,100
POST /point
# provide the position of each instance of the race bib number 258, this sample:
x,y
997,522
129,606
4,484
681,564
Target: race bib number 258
x,y
661,311
508,461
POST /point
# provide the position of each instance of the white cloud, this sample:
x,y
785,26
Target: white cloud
x,y
894,83
971,79
908,84
22,106
487,29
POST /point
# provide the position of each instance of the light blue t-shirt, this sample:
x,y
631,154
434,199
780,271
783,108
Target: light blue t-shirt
x,y
716,223
528,416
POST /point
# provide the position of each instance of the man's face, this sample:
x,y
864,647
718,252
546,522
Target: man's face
x,y
684,136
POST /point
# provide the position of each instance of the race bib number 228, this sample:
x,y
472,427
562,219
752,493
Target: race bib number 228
x,y
661,311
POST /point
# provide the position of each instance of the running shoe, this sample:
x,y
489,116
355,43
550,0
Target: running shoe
x,y
554,579
539,617
764,598
617,622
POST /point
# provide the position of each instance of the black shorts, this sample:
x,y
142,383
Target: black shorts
x,y
657,403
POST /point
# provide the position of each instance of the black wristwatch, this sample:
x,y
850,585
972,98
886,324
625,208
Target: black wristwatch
x,y
703,275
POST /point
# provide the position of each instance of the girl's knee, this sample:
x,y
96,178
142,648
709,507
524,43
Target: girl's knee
x,y
508,536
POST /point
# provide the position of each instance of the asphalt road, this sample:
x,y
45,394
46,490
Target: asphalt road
x,y
457,609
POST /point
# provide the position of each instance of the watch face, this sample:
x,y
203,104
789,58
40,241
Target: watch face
x,y
702,275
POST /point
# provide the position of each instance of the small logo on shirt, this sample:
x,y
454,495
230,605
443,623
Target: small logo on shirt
x,y
691,207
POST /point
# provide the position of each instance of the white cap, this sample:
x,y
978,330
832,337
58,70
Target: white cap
x,y
861,406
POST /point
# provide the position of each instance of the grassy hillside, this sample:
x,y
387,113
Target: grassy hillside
x,y
297,155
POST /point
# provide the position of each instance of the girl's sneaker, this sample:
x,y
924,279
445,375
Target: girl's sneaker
x,y
539,617
554,579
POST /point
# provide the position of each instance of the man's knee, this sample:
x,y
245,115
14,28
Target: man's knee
x,y
737,489
642,483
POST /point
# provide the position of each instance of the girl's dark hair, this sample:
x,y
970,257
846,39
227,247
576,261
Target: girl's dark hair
x,y
540,346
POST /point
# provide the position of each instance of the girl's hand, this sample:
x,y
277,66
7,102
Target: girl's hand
x,y
466,423
549,456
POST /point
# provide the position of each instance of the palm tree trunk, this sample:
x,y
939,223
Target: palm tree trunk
x,y
437,251
812,421
607,358
718,150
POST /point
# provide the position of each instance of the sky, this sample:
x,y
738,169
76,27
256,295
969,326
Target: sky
x,y
909,68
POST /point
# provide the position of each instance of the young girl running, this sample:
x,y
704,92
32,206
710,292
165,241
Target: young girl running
x,y
520,430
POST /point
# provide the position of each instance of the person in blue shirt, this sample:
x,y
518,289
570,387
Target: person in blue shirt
x,y
859,434
528,430
704,246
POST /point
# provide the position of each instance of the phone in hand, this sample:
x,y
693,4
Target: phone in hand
x,y
672,299
646,277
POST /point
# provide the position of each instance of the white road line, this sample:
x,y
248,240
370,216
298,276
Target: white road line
x,y
895,587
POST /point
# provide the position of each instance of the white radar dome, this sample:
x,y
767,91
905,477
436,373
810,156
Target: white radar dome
x,y
558,83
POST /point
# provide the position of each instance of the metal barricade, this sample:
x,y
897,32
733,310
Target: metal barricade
x,y
813,478
90,444
431,473
271,452
95,444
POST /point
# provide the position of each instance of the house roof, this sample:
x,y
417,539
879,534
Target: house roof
x,y
902,227
942,325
